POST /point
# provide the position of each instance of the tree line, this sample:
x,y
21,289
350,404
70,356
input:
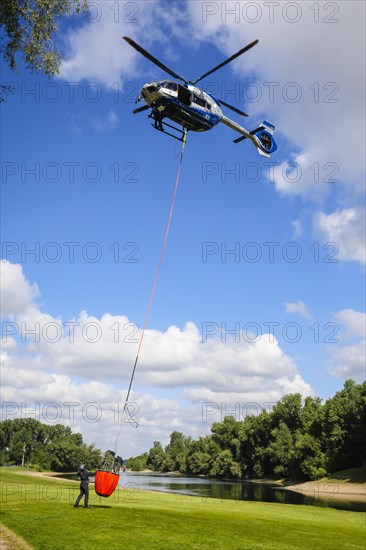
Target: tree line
x,y
298,438
28,442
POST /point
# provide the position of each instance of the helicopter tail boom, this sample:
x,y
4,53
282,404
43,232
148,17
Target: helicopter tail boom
x,y
262,137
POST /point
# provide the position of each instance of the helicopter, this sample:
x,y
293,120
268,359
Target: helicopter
x,y
194,109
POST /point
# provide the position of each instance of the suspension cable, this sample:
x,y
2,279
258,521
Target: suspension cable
x,y
184,139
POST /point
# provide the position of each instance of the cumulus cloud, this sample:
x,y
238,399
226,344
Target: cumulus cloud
x,y
105,348
346,228
255,391
354,322
16,292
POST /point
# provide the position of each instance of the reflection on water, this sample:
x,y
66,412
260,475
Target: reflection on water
x,y
229,490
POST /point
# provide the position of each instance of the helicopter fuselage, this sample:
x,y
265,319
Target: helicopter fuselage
x,y
187,105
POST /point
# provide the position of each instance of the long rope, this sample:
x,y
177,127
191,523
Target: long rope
x,y
154,284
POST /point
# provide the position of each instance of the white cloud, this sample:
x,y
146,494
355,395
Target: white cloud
x,y
16,292
256,390
8,342
298,307
346,228
93,348
291,178
353,321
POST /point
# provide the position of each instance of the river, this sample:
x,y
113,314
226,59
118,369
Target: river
x,y
234,490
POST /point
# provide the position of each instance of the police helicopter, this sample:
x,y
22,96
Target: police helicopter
x,y
194,109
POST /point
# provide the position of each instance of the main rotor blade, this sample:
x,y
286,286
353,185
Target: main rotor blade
x,y
233,108
153,59
240,52
140,109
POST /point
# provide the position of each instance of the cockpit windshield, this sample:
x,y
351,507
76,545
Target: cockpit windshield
x,y
170,85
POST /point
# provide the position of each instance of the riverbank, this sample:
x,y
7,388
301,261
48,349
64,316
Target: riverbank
x,y
338,487
326,488
344,485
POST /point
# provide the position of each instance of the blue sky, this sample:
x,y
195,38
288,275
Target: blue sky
x,y
87,186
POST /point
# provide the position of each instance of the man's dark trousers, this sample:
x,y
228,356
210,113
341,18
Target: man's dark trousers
x,y
84,492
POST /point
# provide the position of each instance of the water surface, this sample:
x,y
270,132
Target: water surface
x,y
235,490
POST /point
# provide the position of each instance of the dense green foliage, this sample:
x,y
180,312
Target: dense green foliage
x,y
28,28
40,511
28,442
302,439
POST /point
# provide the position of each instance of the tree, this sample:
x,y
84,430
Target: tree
x,y
29,28
137,463
225,466
226,434
281,451
288,410
156,457
310,458
176,452
22,436
254,435
201,455
312,416
344,427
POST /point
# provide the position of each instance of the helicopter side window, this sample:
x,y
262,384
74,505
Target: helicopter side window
x,y
171,86
198,101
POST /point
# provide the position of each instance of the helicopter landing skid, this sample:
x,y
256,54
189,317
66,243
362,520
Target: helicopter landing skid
x,y
158,124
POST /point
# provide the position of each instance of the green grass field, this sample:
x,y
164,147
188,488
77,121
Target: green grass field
x,y
41,511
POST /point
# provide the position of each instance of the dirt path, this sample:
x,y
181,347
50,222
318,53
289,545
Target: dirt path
x,y
48,475
11,541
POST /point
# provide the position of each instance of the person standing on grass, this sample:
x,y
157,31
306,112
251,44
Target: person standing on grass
x,y
84,486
